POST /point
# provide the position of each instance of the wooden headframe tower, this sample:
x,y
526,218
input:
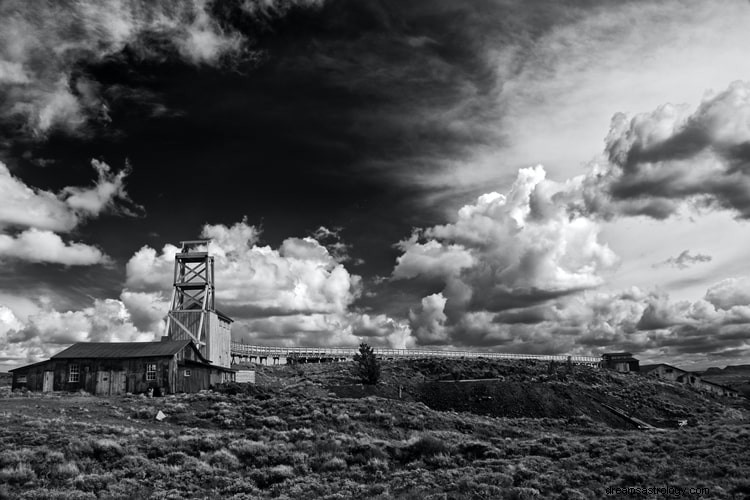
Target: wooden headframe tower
x,y
192,314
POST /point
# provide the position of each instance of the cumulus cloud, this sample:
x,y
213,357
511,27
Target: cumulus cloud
x,y
729,293
505,251
672,155
298,277
428,323
25,206
647,323
36,245
47,330
297,294
30,218
684,260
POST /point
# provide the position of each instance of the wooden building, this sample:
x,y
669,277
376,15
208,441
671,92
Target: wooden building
x,y
668,372
107,368
620,361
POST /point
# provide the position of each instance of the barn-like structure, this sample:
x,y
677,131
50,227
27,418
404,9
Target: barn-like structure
x,y
193,355
106,368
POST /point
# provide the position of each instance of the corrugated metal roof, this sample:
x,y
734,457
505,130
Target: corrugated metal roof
x,y
122,349
32,365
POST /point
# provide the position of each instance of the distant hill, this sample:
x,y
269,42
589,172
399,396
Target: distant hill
x,y
735,376
6,378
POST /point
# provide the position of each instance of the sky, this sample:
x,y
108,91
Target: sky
x,y
527,177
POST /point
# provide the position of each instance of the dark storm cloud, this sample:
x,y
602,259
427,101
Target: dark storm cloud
x,y
660,160
684,260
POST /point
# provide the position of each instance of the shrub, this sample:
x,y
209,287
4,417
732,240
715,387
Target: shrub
x,y
272,475
425,446
107,449
93,482
65,470
20,473
368,366
223,459
333,464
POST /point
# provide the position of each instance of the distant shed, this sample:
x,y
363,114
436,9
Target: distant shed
x,y
668,372
107,368
620,361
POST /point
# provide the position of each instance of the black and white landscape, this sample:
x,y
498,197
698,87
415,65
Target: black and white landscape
x,y
511,176
531,178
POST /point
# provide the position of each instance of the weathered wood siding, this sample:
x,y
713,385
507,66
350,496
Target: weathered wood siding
x,y
108,376
219,340
92,374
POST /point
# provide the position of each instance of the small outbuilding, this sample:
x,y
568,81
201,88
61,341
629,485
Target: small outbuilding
x,y
668,372
107,368
620,361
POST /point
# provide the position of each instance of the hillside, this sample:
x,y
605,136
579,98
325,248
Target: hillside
x,y
513,389
737,377
310,431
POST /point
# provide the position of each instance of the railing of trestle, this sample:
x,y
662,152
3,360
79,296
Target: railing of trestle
x,y
244,350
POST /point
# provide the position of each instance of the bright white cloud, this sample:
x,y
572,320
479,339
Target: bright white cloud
x,y
297,294
729,293
150,271
42,214
300,277
21,205
47,330
523,246
24,206
34,245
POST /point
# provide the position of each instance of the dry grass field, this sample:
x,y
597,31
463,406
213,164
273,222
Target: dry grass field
x,y
309,431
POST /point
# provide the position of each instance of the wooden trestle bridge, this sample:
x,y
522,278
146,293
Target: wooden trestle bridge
x,y
243,353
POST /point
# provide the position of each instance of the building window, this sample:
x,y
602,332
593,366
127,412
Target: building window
x,y
74,373
151,371
21,379
187,373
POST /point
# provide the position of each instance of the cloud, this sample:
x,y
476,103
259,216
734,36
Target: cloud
x,y
661,160
729,293
47,330
684,260
647,323
428,323
504,251
30,218
331,239
298,277
297,294
25,206
45,49
34,245
147,310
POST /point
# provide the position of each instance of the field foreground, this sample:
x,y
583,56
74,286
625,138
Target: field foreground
x,y
312,432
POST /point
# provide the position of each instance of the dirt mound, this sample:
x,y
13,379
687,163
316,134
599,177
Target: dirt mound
x,y
509,388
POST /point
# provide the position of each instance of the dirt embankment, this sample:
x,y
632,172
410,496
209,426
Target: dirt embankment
x,y
514,389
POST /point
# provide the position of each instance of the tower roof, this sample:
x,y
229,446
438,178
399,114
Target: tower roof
x,y
188,245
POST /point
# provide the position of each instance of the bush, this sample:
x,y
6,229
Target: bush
x,y
20,473
368,365
425,446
